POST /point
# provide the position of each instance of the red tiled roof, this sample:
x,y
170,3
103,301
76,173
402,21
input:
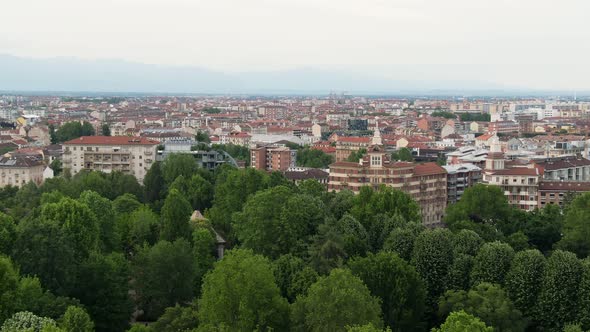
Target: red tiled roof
x,y
112,140
429,169
518,171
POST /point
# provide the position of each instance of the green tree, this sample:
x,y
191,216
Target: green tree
x,y
241,293
307,157
154,183
524,278
57,167
487,302
480,203
163,276
176,214
26,321
232,189
105,216
584,296
197,190
9,282
125,204
401,239
492,263
202,137
334,302
403,154
460,272
87,129
284,269
355,156
397,284
576,229
543,227
460,321
177,164
105,130
177,318
433,257
7,233
143,227
76,319
557,302
204,252
467,242
103,289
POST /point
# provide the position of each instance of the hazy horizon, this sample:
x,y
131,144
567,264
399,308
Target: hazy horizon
x,y
500,44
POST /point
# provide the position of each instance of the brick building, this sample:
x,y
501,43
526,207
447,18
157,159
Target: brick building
x,y
272,158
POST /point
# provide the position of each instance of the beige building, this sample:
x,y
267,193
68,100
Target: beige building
x,y
130,155
17,170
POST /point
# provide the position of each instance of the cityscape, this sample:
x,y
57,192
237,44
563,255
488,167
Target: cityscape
x,y
294,165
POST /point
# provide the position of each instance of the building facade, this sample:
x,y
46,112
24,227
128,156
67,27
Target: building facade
x,y
130,155
459,178
17,170
425,183
272,158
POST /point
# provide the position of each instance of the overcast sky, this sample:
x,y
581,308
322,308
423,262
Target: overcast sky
x,y
527,43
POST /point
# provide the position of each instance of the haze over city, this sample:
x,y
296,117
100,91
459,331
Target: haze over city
x,y
359,46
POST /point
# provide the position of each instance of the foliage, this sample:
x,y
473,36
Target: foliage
x,y
480,203
26,321
241,293
557,302
460,321
76,320
401,239
163,276
397,284
71,130
576,229
356,155
487,302
105,130
334,302
315,158
176,214
523,280
584,296
177,318
468,117
177,164
491,263
403,154
443,114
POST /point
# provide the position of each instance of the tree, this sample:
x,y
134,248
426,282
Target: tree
x,y
7,234
105,130
576,229
365,328
177,164
397,284
103,289
584,296
275,221
143,228
9,282
57,167
543,227
176,214
105,216
467,242
204,252
241,293
315,158
459,277
433,257
491,263
232,189
480,203
154,183
460,321
202,137
401,239
523,280
26,321
284,269
353,235
487,302
403,154
356,155
76,320
87,129
557,302
177,318
125,204
163,276
334,302
197,190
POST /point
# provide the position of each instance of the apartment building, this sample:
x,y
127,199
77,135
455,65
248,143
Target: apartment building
x,y
19,169
272,158
565,169
347,145
459,178
131,155
556,192
425,183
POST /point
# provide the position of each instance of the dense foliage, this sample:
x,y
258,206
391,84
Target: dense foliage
x,y
97,251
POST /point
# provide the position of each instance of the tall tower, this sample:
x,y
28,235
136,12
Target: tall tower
x,y
495,158
376,140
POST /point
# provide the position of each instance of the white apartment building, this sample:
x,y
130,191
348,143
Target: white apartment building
x,y
131,155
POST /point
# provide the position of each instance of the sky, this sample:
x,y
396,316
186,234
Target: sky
x,y
517,43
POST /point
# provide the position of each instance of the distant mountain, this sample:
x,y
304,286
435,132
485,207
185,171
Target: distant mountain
x,y
118,76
